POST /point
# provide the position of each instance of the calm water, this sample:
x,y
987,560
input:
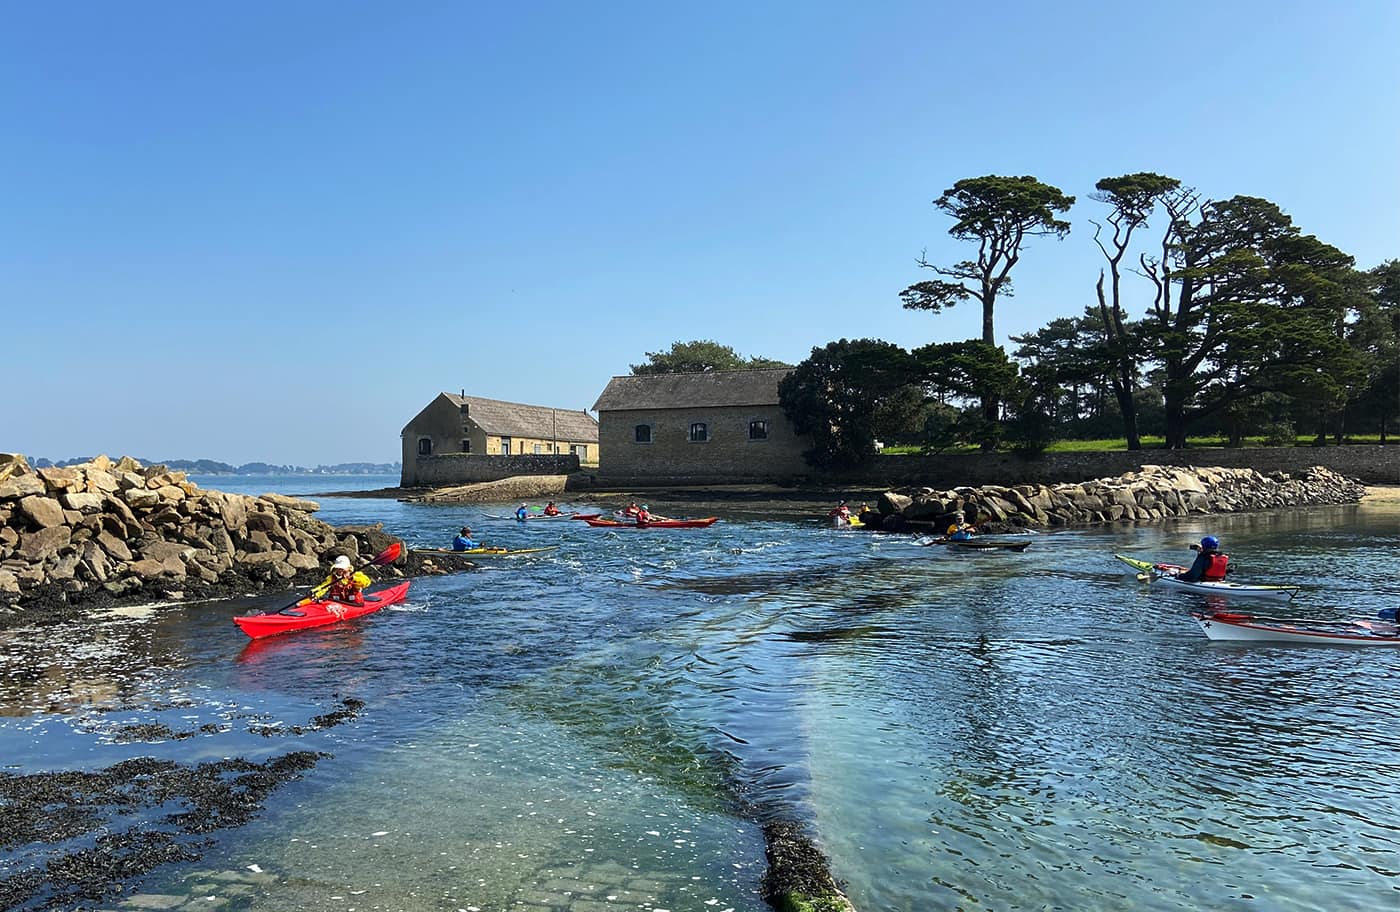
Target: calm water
x,y
961,731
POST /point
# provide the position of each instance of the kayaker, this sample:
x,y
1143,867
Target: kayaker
x,y
841,516
345,584
632,510
1211,563
464,541
523,513
960,532
644,514
550,509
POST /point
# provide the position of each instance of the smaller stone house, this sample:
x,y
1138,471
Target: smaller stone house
x,y
699,428
461,425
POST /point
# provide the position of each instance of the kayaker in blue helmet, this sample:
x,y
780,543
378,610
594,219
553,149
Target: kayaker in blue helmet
x,y
464,541
1211,563
345,584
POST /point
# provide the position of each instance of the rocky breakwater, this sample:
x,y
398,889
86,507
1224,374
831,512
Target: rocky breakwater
x,y
1152,493
107,530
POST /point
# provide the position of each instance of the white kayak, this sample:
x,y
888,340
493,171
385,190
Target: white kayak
x,y
1243,628
1166,574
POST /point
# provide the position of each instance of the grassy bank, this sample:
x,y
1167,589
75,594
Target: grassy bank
x,y
1148,443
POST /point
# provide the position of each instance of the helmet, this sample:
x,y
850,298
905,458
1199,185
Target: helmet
x,y
1210,543
645,507
341,563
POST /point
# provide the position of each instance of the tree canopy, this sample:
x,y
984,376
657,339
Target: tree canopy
x,y
848,394
999,213
698,357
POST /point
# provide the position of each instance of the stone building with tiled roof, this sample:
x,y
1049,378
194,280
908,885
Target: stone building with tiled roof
x,y
552,439
703,428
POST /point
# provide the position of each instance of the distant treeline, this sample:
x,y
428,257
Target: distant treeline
x,y
212,467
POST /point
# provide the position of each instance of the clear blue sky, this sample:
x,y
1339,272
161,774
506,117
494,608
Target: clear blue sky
x,y
274,231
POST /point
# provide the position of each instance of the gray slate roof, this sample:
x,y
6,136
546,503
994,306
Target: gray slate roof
x,y
704,390
514,419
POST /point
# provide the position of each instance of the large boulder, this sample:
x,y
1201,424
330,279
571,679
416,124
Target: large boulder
x,y
42,511
82,501
36,547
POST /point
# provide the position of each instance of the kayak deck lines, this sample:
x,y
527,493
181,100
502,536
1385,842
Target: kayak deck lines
x,y
1230,627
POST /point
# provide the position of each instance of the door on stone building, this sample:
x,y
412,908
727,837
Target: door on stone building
x,y
505,446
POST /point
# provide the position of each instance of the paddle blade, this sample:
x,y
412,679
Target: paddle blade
x,y
388,555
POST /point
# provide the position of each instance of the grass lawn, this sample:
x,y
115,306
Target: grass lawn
x,y
1148,443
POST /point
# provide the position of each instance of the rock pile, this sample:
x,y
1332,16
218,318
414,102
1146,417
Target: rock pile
x,y
116,529
1153,493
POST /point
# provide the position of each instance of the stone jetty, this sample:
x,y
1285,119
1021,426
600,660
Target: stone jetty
x,y
1153,493
114,530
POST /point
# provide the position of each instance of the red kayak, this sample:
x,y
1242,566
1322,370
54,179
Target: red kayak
x,y
655,524
318,613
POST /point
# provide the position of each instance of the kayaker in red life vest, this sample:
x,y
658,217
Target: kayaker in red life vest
x,y
550,509
1210,565
632,510
841,516
344,584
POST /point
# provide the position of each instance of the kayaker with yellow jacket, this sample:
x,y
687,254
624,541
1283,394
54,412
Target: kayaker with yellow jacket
x,y
1211,563
345,584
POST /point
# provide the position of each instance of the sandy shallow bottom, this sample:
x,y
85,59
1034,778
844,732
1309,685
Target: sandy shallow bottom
x,y
1382,494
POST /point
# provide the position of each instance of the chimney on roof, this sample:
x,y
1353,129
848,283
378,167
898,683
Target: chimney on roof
x,y
464,392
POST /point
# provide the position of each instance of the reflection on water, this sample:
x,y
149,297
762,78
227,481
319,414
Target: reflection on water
x,y
963,730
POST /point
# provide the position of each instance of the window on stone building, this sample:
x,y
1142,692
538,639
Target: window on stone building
x,y
539,449
425,446
580,450
699,432
758,429
642,433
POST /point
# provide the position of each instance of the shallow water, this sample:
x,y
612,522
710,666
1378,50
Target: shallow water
x,y
610,722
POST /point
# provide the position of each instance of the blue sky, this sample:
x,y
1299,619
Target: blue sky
x,y
274,232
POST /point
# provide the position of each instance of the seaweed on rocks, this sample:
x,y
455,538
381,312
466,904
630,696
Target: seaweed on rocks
x,y
86,834
798,878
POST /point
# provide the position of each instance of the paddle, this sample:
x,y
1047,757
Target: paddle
x,y
387,556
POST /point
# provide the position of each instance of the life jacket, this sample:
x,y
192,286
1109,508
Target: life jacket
x,y
551,511
344,590
1215,570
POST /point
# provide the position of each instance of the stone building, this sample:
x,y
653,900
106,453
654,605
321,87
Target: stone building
x,y
551,440
703,428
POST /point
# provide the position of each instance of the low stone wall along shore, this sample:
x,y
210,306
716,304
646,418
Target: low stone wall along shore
x,y
1152,493
105,530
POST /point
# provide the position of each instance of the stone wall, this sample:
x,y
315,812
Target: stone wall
x,y
463,468
120,528
1153,493
671,457
1372,464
